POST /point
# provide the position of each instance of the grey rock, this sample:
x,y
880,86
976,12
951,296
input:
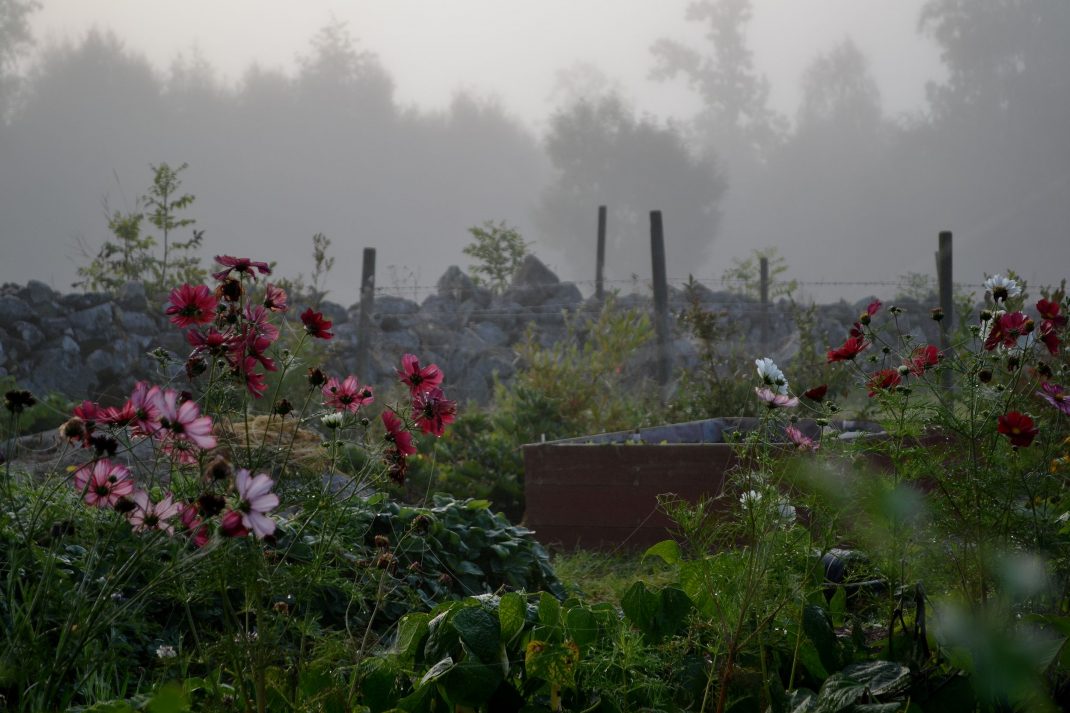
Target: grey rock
x,y
404,341
533,283
132,297
84,300
38,294
457,286
13,309
333,311
134,322
62,369
93,324
28,333
490,333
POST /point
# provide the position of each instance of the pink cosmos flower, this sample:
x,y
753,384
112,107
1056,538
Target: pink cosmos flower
x,y
416,378
316,325
397,435
119,417
775,400
103,482
195,527
1055,395
432,411
147,515
801,440
275,299
144,400
883,380
347,395
848,350
182,427
1018,427
923,358
240,265
256,500
190,305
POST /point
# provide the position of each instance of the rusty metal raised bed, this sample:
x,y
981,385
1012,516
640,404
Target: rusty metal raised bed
x,y
601,492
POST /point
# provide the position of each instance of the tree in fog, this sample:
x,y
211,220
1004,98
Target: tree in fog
x,y
15,40
603,153
736,120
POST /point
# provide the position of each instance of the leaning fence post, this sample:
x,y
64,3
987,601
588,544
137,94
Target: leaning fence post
x,y
661,298
947,305
600,260
367,305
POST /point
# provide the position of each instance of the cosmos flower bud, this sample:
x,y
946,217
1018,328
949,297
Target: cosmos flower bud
x,y
936,314
984,376
986,315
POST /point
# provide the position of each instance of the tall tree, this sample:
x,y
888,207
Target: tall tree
x,y
839,91
736,120
15,40
604,154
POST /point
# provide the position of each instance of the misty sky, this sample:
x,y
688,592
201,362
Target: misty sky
x,y
861,191
511,50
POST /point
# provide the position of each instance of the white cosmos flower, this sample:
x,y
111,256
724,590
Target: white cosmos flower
x,y
1002,288
771,375
333,420
750,498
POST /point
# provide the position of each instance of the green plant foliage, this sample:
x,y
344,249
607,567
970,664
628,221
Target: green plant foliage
x,y
498,251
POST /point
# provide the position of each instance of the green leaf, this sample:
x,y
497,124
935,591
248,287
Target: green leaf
x,y
437,671
479,630
512,616
411,631
549,611
881,678
667,550
169,699
582,626
838,606
818,627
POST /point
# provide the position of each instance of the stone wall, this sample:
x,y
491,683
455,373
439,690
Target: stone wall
x,y
95,344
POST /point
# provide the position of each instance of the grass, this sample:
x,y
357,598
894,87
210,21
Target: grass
x,y
600,577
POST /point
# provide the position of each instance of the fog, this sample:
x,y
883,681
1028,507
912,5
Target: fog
x,y
846,135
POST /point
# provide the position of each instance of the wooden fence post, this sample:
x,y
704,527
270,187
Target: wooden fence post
x,y
947,304
367,306
599,291
764,294
661,298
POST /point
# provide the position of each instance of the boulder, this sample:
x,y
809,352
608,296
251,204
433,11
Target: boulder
x,y
455,285
94,325
533,283
12,309
133,322
28,333
132,297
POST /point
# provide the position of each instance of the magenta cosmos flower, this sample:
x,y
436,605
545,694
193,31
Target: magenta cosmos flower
x,y
416,378
348,395
275,299
240,265
190,305
147,515
432,411
316,325
775,400
1055,395
397,435
103,482
256,500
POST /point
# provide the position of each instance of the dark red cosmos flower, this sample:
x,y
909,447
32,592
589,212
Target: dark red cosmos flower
x,y
120,417
817,393
231,524
1018,427
257,319
396,433
1047,335
396,465
416,378
316,325
254,380
923,358
432,411
190,305
848,350
1050,310
241,265
1005,330
212,341
882,380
